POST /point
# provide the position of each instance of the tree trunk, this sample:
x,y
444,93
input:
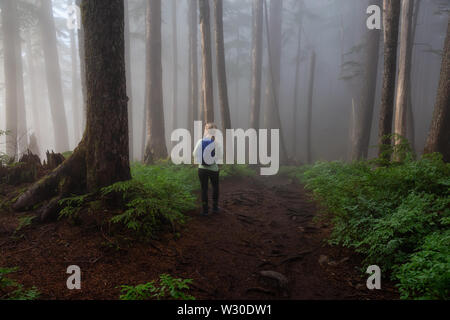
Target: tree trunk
x,y
221,70
35,98
274,44
75,89
10,67
310,106
207,80
156,144
193,65
175,65
82,69
53,74
22,130
296,106
391,25
439,135
257,58
404,73
102,156
364,112
129,80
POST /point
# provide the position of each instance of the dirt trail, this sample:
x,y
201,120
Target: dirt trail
x,y
266,226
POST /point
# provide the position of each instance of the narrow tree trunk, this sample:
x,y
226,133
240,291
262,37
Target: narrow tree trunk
x,y
391,25
53,74
82,60
75,89
257,58
364,112
10,67
156,143
193,65
274,44
221,70
439,135
296,106
207,80
175,65
310,106
35,98
102,156
129,80
22,130
404,73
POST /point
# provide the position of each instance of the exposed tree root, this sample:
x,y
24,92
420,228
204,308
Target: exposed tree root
x,y
68,178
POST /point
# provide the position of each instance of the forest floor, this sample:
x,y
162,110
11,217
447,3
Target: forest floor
x,y
266,224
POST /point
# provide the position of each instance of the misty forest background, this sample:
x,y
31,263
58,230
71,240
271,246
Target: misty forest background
x,y
50,100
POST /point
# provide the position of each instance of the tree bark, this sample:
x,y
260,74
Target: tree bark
x,y
274,44
156,144
439,135
207,79
129,79
75,89
22,129
257,59
221,70
391,26
295,105
10,67
310,106
82,59
53,74
193,65
102,156
404,73
364,112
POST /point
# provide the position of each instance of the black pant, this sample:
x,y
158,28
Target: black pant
x,y
204,176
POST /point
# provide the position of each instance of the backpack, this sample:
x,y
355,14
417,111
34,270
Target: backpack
x,y
205,143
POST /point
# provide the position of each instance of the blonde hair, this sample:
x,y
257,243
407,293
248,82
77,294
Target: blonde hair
x,y
210,126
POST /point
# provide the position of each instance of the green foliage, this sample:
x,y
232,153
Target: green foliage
x,y
236,170
67,154
24,222
168,288
11,290
393,215
156,195
72,206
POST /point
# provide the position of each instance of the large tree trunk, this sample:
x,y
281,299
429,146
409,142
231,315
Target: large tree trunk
x,y
404,73
53,74
102,156
193,65
175,65
156,148
257,59
221,70
364,112
22,130
310,107
129,80
274,44
10,66
439,136
391,25
75,89
207,79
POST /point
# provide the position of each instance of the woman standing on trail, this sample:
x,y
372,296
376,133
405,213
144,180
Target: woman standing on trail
x,y
206,151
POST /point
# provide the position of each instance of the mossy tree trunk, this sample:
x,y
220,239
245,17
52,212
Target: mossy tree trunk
x,y
102,157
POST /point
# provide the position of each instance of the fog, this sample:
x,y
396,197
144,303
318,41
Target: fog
x,y
333,29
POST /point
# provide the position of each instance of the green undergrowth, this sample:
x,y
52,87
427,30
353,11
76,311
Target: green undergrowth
x,y
397,215
156,196
167,288
11,290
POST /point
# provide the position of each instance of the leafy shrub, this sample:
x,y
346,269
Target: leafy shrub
x,y
391,215
167,288
11,290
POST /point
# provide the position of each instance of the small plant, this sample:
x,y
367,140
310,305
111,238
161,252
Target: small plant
x,y
24,222
72,206
168,288
11,290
